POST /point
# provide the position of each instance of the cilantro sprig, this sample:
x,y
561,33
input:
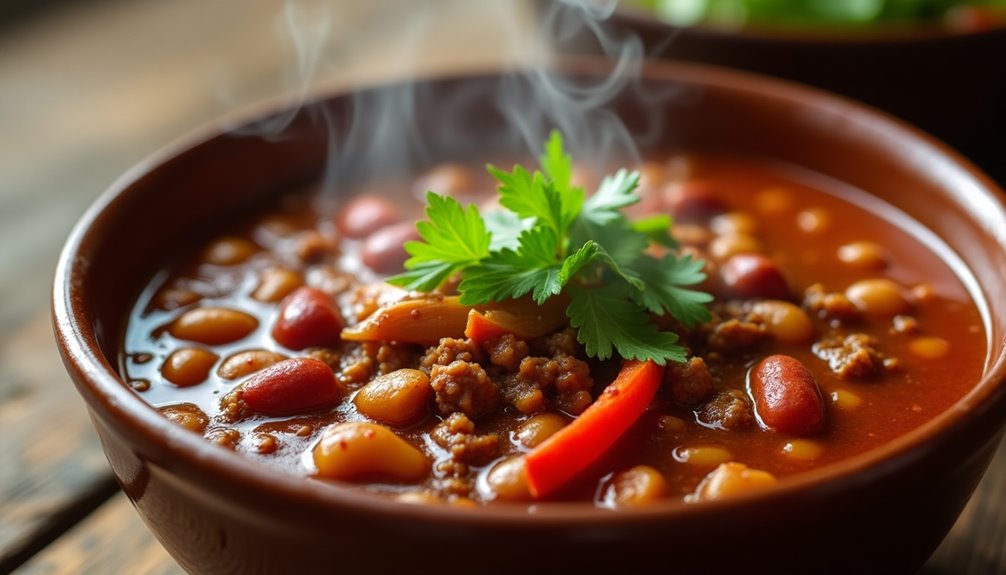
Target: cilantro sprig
x,y
554,239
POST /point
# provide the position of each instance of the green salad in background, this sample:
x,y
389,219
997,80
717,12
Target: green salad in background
x,y
817,12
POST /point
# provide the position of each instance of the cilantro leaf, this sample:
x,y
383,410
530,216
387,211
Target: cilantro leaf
x,y
657,228
555,162
511,273
617,237
505,274
453,239
532,268
606,318
530,196
558,168
663,293
614,286
505,227
579,260
614,193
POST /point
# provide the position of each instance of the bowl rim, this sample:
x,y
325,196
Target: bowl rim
x,y
110,396
837,36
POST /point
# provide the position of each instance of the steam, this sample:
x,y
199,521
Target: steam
x,y
389,129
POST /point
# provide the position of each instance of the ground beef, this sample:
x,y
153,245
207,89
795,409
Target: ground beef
x,y
689,383
524,395
330,356
450,350
729,409
233,407
830,306
394,356
224,437
738,336
566,378
731,331
456,434
560,342
463,386
572,384
507,352
854,357
905,324
360,362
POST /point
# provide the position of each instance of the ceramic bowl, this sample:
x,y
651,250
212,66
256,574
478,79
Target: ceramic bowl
x,y
951,83
218,512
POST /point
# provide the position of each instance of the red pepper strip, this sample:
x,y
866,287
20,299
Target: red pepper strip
x,y
562,457
481,329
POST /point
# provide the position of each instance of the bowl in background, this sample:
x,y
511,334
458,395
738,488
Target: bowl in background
x,y
218,512
951,83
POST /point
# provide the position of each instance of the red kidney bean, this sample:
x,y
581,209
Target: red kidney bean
x,y
364,215
754,276
693,201
786,396
446,180
307,317
384,251
292,386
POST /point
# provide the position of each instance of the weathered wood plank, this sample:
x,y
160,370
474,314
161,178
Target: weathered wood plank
x,y
50,462
111,540
977,543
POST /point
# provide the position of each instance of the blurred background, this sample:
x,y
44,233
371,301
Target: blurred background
x,y
89,89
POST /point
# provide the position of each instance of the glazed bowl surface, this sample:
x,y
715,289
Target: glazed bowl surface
x,y
218,512
949,82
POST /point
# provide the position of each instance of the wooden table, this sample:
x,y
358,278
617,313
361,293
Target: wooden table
x,y
87,91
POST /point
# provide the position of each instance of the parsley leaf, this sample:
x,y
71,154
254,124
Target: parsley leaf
x,y
454,238
614,193
605,318
552,240
556,163
657,228
663,279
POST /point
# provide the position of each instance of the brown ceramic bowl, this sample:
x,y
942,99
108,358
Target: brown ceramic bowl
x,y
218,512
951,83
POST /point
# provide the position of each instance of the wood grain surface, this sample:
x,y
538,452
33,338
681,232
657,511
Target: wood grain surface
x,y
90,89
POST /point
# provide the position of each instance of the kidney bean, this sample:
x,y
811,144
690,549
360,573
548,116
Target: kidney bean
x,y
879,297
307,317
723,247
508,480
640,485
730,479
734,223
353,451
539,428
693,201
188,366
786,396
785,321
398,398
275,284
312,247
292,386
172,298
754,276
446,180
248,362
188,415
213,325
228,251
364,215
864,255
384,251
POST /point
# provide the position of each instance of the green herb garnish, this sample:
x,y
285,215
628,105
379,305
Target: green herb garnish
x,y
554,239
